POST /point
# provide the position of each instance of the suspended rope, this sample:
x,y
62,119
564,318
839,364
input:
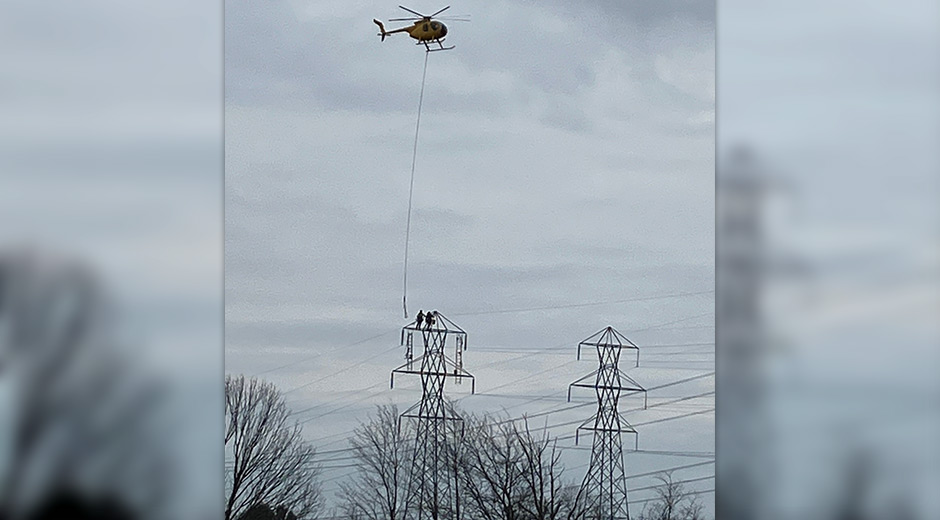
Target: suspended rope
x,y
411,190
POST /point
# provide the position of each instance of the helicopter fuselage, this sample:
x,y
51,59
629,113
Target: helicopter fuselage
x,y
423,30
427,30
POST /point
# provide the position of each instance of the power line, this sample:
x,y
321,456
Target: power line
x,y
334,349
342,370
587,304
566,348
573,407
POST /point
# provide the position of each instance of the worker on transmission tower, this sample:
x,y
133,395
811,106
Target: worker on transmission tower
x,y
420,319
430,318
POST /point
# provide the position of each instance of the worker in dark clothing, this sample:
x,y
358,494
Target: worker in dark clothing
x,y
429,319
420,319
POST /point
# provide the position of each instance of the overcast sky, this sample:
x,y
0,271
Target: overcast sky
x,y
565,156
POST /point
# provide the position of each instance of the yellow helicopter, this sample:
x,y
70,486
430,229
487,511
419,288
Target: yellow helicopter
x,y
425,29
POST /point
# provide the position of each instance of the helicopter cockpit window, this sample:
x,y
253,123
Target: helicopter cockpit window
x,y
435,26
424,27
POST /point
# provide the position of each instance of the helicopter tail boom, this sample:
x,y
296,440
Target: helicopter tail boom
x,y
381,28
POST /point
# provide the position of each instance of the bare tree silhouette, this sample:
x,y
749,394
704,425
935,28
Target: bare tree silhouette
x,y
382,449
85,421
673,502
271,465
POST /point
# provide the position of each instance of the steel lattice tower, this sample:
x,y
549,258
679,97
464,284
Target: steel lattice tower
x,y
432,487
603,493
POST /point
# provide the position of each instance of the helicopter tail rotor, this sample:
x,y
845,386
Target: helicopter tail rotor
x,y
381,28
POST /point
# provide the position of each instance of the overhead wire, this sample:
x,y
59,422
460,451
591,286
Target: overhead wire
x,y
586,304
572,407
659,326
337,455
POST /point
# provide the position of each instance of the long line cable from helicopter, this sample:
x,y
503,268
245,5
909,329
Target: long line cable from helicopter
x,y
411,189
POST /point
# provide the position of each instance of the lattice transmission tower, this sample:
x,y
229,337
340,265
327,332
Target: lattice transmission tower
x,y
432,485
603,493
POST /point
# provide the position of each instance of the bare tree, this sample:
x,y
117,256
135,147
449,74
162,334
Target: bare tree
x,y
491,465
510,473
382,450
271,463
266,512
673,502
548,496
85,424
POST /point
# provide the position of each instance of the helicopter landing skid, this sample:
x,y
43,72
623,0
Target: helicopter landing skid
x,y
439,43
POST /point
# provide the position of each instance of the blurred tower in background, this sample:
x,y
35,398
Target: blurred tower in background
x,y
432,486
743,431
603,492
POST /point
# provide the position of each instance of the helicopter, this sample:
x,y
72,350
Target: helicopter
x,y
425,29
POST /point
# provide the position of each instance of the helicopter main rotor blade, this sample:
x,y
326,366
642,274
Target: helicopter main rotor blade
x,y
439,12
404,19
455,18
416,13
